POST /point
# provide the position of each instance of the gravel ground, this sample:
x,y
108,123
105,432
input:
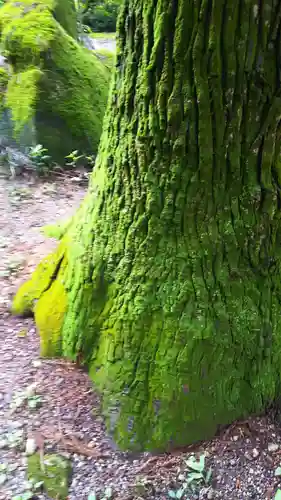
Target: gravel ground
x,y
66,416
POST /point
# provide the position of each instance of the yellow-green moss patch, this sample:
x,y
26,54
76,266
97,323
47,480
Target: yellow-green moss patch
x,y
49,314
30,292
22,96
4,78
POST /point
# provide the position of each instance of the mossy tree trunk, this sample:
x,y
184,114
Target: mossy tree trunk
x,y
167,282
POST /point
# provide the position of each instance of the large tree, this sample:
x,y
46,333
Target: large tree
x,y
166,283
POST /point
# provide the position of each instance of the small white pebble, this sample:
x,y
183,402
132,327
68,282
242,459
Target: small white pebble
x,y
30,446
272,447
37,363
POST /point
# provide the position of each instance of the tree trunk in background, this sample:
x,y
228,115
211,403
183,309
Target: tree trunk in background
x,y
167,282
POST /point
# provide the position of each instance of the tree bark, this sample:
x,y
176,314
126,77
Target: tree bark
x,y
167,281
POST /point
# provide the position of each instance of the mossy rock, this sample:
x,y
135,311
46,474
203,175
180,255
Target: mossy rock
x,y
55,476
4,78
107,57
55,81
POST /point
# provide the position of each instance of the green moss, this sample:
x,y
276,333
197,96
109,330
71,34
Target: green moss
x,y
55,473
55,80
22,96
55,300
66,15
56,231
106,57
46,291
4,78
29,294
26,30
73,98
173,260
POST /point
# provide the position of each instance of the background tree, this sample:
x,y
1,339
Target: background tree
x,y
166,282
101,15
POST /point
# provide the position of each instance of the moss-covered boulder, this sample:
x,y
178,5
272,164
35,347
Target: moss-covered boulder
x,y
4,78
55,81
54,471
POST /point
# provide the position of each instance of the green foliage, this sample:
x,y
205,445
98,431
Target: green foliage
x,y
53,473
13,439
277,472
26,495
102,15
106,495
192,478
33,488
73,159
40,159
27,397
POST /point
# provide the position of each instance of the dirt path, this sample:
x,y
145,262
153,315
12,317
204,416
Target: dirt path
x,y
65,418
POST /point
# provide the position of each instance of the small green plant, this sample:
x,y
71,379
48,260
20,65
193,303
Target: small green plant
x,y
33,489
106,495
12,439
27,397
142,487
6,469
34,402
193,477
26,495
277,471
90,160
73,159
40,159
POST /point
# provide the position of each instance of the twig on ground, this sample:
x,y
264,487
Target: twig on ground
x,y
72,444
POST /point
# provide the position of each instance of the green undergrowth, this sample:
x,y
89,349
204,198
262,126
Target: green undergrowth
x,y
53,471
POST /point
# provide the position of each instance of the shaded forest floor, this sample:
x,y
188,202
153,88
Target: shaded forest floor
x,y
52,403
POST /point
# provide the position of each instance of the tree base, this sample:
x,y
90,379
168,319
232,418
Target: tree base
x,y
44,296
167,379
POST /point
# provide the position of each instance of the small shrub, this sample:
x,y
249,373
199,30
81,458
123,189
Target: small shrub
x,y
40,159
102,16
192,478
